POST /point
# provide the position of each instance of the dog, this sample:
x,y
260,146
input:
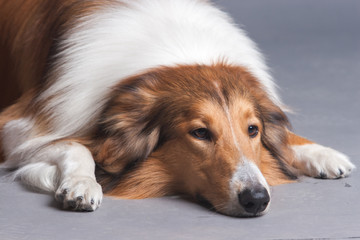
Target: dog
x,y
145,98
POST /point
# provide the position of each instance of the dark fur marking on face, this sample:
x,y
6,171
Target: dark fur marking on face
x,y
109,181
276,122
280,159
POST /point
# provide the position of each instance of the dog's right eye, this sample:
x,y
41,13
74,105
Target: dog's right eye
x,y
201,134
253,131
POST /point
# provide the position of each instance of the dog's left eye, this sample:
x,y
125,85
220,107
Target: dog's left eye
x,y
253,131
201,133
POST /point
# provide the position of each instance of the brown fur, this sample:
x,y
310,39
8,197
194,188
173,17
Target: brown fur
x,y
297,140
142,144
32,30
149,119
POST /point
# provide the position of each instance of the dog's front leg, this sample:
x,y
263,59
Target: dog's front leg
x,y
77,189
318,161
64,166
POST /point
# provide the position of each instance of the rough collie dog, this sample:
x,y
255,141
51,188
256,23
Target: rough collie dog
x,y
145,98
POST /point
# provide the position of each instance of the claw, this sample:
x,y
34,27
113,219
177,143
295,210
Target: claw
x,y
323,175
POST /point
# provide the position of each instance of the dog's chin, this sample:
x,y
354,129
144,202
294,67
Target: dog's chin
x,y
232,209
241,213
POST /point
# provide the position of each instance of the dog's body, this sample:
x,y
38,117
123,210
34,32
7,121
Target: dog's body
x,y
167,96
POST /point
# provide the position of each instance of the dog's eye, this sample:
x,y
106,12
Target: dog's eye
x,y
253,131
201,133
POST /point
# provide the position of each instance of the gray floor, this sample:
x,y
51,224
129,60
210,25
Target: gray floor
x,y
313,48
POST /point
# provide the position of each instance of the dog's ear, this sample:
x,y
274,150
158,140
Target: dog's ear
x,y
128,130
275,139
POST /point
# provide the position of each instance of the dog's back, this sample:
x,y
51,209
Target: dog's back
x,y
103,80
30,32
25,43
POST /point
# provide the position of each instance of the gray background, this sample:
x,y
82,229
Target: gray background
x,y
314,52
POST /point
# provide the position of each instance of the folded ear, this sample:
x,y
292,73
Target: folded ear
x,y
128,130
275,139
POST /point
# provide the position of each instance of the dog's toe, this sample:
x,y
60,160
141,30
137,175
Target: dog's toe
x,y
323,175
80,194
322,162
60,195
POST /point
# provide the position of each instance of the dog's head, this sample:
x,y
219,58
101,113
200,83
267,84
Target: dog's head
x,y
213,129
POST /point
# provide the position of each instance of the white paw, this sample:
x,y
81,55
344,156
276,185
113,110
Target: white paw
x,y
318,161
79,193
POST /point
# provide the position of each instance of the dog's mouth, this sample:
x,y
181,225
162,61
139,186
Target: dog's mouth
x,y
205,202
240,209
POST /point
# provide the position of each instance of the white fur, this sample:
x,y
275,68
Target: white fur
x,y
246,175
21,149
41,175
119,41
77,177
56,166
318,161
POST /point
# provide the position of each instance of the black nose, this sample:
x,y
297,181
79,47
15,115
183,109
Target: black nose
x,y
254,200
